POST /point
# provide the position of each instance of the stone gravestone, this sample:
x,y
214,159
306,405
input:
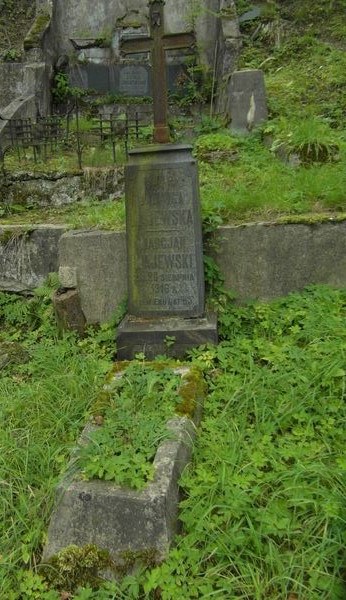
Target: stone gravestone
x,y
247,100
98,77
164,238
134,80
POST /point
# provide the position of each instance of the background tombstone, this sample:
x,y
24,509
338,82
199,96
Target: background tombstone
x,y
134,80
98,77
247,100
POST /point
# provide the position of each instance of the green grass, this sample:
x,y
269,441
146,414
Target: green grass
x,y
264,513
80,215
240,180
43,403
257,185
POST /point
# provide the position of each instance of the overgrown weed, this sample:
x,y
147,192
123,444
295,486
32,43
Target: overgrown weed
x,y
264,508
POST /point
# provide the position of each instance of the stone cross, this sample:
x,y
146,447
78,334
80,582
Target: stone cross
x,y
157,44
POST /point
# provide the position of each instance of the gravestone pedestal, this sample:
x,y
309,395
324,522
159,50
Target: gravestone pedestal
x,y
172,336
165,258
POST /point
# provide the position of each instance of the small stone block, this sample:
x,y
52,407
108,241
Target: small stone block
x,y
68,311
172,336
68,277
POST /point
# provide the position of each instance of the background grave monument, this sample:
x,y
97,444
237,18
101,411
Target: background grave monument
x,y
164,237
247,100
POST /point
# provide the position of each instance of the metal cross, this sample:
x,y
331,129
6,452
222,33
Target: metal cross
x,y
157,44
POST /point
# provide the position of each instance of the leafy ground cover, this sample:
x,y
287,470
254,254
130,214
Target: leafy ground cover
x,y
263,514
132,413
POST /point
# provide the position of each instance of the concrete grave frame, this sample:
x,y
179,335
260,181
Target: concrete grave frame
x,y
117,519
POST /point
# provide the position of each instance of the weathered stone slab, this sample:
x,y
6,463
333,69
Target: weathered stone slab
x,y
98,77
247,100
119,519
27,256
251,15
99,258
134,80
164,238
172,336
267,260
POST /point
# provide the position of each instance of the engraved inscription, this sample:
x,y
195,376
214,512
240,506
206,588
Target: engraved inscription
x,y
165,246
133,80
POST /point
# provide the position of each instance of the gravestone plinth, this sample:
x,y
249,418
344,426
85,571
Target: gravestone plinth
x,y
165,257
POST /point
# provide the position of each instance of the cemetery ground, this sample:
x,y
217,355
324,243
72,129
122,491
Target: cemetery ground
x,y
263,512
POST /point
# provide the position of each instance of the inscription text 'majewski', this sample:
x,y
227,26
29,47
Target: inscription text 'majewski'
x,y
165,247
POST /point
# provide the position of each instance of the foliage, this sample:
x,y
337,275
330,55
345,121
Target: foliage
x,y
138,405
11,55
15,20
209,124
253,183
112,98
304,62
62,91
222,140
263,512
194,86
312,139
43,403
89,213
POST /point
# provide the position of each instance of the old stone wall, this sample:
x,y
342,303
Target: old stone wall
x,y
57,189
266,260
28,255
12,73
71,19
259,261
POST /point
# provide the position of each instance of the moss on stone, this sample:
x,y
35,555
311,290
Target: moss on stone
x,y
34,37
128,560
10,235
82,566
311,219
191,391
76,566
